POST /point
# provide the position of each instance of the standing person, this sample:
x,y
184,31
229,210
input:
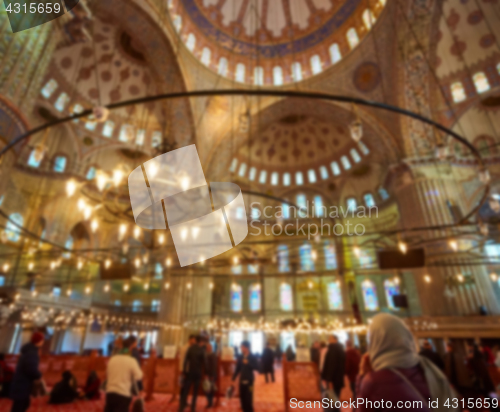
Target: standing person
x,y
6,375
456,370
27,372
334,365
323,348
194,365
245,367
117,346
211,372
315,354
122,374
290,354
279,354
135,352
352,360
268,362
393,371
431,355
482,384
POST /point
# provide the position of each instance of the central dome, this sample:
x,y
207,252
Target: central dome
x,y
265,42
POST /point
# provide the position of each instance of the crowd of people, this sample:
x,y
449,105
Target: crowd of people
x,y
389,370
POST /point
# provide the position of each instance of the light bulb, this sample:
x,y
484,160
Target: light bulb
x,y
34,293
88,290
70,187
314,255
101,180
137,232
31,266
126,287
94,225
53,265
454,245
357,251
493,277
460,277
81,205
87,212
79,265
236,260
106,288
145,259
402,247
161,239
356,129
6,267
68,292
189,285
310,285
146,286
137,263
168,262
117,177
211,285
107,263
125,248
167,285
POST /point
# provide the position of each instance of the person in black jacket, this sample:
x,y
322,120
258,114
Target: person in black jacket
x,y
211,372
268,362
195,363
315,355
26,373
246,365
334,365
64,391
431,355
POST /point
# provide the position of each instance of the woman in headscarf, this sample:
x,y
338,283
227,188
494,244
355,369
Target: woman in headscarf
x,y
392,371
64,391
92,390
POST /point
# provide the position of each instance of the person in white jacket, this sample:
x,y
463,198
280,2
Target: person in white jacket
x,y
122,375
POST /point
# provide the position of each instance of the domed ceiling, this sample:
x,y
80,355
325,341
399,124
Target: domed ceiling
x,y
272,42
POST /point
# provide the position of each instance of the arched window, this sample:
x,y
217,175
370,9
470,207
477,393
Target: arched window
x,y
156,138
296,72
243,170
283,263
206,55
364,258
316,66
49,88
90,125
369,200
334,296
60,164
140,137
136,306
223,66
33,161
364,149
237,269
369,295
68,245
258,76
311,175
286,210
236,298
240,73
383,193
177,22
275,178
351,204
335,168
330,255
286,297
458,92
253,269
234,165
391,288
368,18
302,204
345,162
299,178
263,177
319,208
287,179
252,174
255,298
278,76
323,171
76,109
11,230
481,82
355,155
352,37
61,101
108,128
155,305
191,41
335,54
126,133
306,260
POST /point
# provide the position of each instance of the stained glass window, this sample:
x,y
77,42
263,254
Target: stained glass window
x,y
49,88
77,109
316,66
108,128
237,269
287,179
253,269
299,178
206,55
297,71
365,260
286,297
352,37
330,256
60,164
90,125
306,260
263,177
345,162
155,305
364,149
275,177
369,200
236,298
335,168
61,101
126,133
391,288
283,263
223,66
32,161
252,174
368,18
136,306
240,73
234,165
191,41
156,139
334,296
177,22
311,175
458,92
258,76
383,193
302,205
140,137
278,76
319,208
11,230
91,173
68,245
351,204
255,298
243,170
285,210
335,54
323,171
369,295
481,82
355,155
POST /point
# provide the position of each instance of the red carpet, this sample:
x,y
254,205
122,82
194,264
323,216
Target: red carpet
x,y
268,398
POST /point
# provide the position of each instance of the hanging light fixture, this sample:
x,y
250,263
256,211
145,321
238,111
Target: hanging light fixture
x,y
107,263
122,230
100,114
106,288
357,251
356,126
314,255
137,232
68,292
88,289
168,262
81,205
87,212
94,225
146,286
167,285
402,247
31,266
101,179
70,187
6,267
137,263
161,239
79,265
493,276
117,176
453,244
126,287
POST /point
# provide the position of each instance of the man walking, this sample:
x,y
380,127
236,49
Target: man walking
x,y
334,365
195,362
244,368
267,361
123,373
27,372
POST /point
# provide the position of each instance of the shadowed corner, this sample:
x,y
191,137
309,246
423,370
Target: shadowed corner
x,y
24,19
